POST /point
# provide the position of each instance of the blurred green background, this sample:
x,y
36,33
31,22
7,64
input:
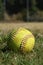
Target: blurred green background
x,y
21,9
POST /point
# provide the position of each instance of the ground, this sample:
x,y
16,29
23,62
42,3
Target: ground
x,y
12,25
9,57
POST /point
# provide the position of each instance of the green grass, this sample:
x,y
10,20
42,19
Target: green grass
x,y
9,57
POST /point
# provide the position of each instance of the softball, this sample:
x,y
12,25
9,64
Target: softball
x,y
21,39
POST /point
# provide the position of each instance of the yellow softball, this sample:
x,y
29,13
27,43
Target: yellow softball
x,y
22,40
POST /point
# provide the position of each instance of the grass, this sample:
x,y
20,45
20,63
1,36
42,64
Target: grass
x,y
9,57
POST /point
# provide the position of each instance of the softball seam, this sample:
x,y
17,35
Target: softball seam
x,y
23,42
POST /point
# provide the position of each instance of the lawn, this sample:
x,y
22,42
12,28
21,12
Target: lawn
x,y
9,57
